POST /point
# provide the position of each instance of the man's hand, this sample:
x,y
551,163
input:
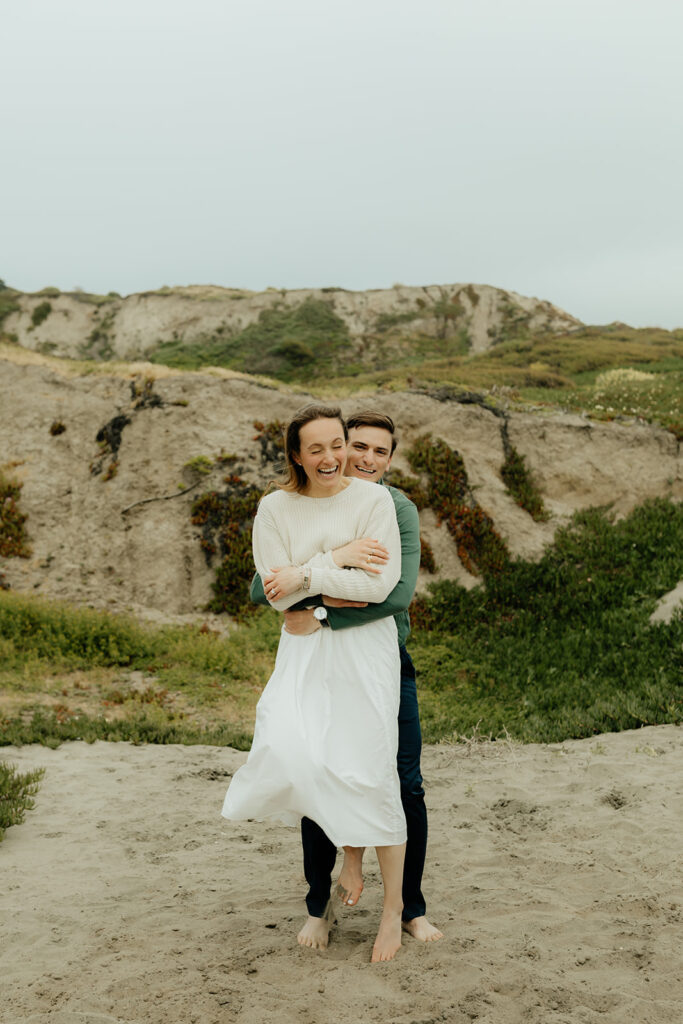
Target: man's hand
x,y
340,602
301,623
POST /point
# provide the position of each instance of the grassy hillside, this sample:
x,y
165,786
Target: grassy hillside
x,y
546,651
569,371
309,345
563,647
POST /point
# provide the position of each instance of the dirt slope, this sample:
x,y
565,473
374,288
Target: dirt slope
x,y
149,559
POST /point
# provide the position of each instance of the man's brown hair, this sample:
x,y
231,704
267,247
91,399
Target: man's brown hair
x,y
367,418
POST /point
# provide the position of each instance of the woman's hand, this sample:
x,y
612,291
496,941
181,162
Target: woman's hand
x,y
283,581
365,553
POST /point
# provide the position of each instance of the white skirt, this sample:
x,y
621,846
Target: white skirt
x,y
326,737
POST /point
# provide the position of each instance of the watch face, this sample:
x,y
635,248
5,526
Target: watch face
x,y
320,614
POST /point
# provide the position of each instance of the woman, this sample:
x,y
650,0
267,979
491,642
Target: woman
x,y
325,737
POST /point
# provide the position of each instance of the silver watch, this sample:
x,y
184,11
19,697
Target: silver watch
x,y
320,614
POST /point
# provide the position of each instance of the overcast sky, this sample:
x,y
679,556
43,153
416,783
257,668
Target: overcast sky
x,y
535,145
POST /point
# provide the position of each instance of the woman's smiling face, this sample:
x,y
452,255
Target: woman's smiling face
x,y
322,456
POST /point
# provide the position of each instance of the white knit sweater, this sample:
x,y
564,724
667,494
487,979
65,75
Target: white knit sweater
x,y
293,529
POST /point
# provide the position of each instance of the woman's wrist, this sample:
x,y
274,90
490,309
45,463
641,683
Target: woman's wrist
x,y
338,557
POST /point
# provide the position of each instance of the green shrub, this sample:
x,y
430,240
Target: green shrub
x,y
385,321
410,485
521,485
480,548
41,313
58,634
447,310
226,519
91,299
16,795
202,465
271,437
287,342
8,303
13,536
293,353
51,730
74,636
427,560
202,686
563,647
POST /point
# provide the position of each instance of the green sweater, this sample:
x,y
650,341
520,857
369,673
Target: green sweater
x,y
400,597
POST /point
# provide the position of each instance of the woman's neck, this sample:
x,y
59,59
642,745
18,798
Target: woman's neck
x,y
311,492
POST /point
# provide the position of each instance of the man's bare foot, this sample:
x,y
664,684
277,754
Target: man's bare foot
x,y
420,928
315,933
350,884
388,941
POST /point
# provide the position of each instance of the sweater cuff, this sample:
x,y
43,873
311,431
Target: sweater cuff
x,y
317,579
324,562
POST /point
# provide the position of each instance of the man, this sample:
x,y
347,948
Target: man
x,y
371,446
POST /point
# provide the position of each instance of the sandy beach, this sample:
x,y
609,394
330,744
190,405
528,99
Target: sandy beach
x,y
554,872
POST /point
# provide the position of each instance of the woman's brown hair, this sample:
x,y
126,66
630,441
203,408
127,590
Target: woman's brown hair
x,y
295,478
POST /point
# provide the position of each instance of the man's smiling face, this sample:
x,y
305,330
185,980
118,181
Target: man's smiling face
x,y
369,453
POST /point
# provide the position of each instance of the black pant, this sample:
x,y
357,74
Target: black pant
x,y
320,853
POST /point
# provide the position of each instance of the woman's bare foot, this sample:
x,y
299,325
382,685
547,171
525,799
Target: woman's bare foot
x,y
315,933
388,941
420,928
350,884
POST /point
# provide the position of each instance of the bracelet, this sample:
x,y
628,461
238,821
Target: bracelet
x,y
306,582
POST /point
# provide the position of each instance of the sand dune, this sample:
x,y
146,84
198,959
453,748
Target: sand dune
x,y
554,872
